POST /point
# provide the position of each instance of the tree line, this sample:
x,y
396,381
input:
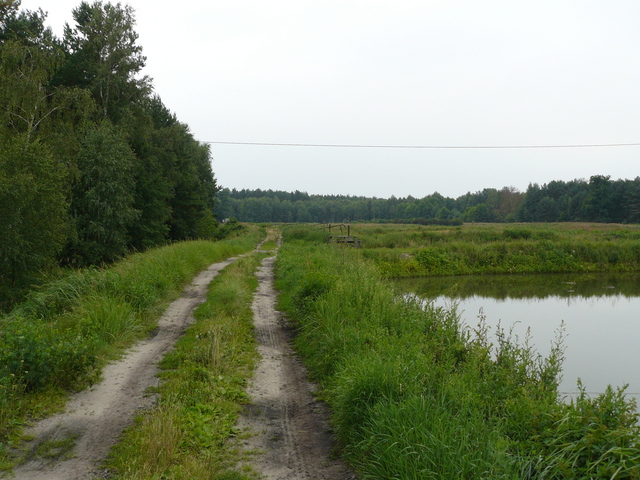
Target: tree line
x,y
600,199
92,163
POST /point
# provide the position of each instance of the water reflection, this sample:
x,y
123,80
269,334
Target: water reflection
x,y
601,315
525,286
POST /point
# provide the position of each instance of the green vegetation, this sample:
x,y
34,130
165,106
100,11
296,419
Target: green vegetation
x,y
33,221
92,164
57,449
532,286
187,435
59,338
410,251
414,395
598,200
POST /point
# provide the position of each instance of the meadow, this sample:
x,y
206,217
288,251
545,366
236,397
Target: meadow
x,y
415,395
414,250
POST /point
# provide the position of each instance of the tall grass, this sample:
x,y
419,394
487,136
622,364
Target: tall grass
x,y
531,248
59,338
415,396
203,386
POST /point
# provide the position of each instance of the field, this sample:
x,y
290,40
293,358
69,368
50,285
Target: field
x,y
414,395
414,250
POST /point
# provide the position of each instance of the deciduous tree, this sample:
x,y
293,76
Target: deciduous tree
x,y
104,57
34,222
102,205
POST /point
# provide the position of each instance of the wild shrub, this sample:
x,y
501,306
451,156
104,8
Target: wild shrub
x,y
592,438
517,233
31,355
435,262
228,229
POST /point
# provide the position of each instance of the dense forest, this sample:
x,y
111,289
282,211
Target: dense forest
x,y
598,200
92,164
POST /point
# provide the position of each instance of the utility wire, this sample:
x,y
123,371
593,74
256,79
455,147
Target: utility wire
x,y
434,147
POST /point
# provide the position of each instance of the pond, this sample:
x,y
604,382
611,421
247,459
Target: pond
x,y
601,315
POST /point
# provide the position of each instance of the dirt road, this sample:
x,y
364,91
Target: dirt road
x,y
94,419
291,429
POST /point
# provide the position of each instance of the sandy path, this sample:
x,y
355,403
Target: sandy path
x,y
96,417
290,427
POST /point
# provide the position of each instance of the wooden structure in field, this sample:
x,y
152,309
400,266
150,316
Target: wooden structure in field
x,y
347,239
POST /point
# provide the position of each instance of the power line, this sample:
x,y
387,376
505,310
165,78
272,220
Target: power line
x,y
433,147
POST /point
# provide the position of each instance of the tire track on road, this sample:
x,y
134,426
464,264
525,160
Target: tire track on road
x,y
289,428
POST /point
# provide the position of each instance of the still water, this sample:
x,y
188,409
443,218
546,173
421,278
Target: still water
x,y
601,315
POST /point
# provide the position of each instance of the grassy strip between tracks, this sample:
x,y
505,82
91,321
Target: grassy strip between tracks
x,y
414,396
58,340
187,435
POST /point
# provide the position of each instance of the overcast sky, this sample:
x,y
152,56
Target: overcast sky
x,y
411,73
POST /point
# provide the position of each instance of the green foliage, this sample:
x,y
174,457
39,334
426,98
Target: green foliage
x,y
599,200
109,319
102,205
83,138
25,98
63,333
104,57
427,437
593,438
24,27
479,213
473,249
194,187
32,355
34,222
414,395
316,234
229,228
433,260
517,233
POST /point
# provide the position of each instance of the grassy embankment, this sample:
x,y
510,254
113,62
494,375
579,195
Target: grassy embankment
x,y
415,396
58,340
411,250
